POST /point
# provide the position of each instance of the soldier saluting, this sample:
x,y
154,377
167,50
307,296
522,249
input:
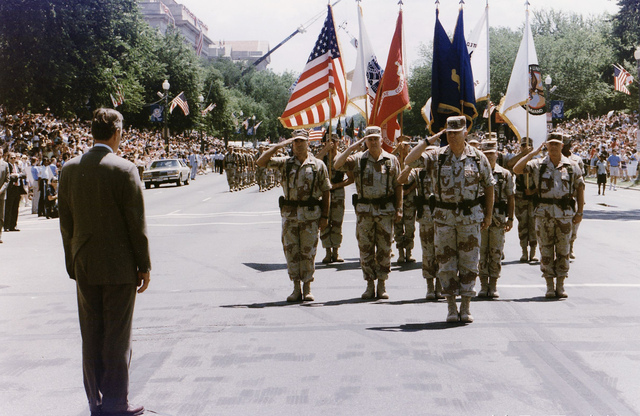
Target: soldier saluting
x,y
463,190
557,179
304,208
378,204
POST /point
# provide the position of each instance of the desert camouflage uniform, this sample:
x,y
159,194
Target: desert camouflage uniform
x,y
492,239
578,161
554,218
231,168
524,211
457,231
332,235
374,228
424,216
301,181
404,231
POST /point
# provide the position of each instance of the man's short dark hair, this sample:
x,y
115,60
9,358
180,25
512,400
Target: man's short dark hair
x,y
105,123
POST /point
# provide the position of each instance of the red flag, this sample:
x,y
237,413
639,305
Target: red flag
x,y
393,94
309,104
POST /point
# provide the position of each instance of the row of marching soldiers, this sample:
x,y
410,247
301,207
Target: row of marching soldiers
x,y
242,171
465,202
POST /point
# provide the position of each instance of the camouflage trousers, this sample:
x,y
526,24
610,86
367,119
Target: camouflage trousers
x,y
526,222
429,264
300,243
554,235
405,230
457,254
491,247
332,235
374,241
231,177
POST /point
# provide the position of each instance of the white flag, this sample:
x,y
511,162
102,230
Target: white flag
x,y
525,87
478,49
368,73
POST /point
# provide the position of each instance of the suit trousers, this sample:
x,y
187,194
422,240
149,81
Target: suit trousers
x,y
11,209
1,214
106,314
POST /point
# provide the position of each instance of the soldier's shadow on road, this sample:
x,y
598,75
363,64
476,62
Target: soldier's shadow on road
x,y
536,299
262,305
305,304
427,326
629,215
348,264
267,267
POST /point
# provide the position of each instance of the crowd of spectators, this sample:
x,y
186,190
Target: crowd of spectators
x,y
42,143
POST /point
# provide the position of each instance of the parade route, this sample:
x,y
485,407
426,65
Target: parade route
x,y
213,334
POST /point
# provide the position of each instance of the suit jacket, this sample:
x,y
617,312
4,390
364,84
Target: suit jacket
x,y
4,178
102,219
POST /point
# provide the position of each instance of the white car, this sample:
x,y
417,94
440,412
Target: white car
x,y
166,171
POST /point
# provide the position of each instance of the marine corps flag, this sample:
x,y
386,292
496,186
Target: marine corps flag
x,y
393,95
323,77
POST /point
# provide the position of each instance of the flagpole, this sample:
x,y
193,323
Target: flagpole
x,y
528,75
488,71
461,101
329,136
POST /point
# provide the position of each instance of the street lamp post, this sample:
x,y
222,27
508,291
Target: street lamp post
x,y
547,83
165,129
636,55
201,101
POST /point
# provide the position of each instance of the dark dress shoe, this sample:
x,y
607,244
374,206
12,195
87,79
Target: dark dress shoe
x,y
131,411
14,229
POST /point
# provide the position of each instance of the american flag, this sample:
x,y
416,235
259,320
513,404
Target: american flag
x,y
316,135
200,39
166,11
622,79
323,74
180,100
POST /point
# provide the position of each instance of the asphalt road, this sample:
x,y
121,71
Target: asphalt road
x,y
213,335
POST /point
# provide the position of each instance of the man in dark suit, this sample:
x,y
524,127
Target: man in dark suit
x,y
4,183
15,189
106,249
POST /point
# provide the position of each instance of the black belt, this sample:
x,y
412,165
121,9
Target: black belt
x,y
421,202
311,202
373,201
501,207
465,206
564,203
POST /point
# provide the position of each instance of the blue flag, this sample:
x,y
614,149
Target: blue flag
x,y
156,113
557,109
452,89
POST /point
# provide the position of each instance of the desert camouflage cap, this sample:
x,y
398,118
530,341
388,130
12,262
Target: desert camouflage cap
x,y
494,136
489,146
473,139
456,123
555,137
300,134
373,131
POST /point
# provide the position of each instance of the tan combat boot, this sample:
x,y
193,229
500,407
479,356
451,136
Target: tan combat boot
x,y
560,292
484,287
439,289
400,255
327,258
336,257
371,290
452,315
382,290
532,252
431,294
465,313
525,255
493,290
306,292
551,290
408,257
571,255
296,296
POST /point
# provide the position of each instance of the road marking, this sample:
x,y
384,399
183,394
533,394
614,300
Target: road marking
x,y
213,223
636,285
176,211
206,199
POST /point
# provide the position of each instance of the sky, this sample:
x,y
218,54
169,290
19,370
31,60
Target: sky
x,y
274,20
